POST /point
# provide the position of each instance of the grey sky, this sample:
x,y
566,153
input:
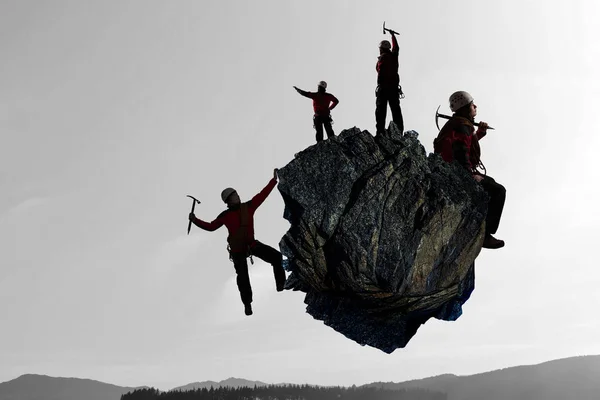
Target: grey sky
x,y
112,112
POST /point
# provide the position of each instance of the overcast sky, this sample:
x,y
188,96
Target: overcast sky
x,y
112,112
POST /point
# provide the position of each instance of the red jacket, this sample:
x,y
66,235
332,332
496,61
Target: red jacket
x,y
458,140
387,66
231,217
321,101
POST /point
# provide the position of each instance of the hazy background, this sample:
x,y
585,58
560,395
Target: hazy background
x,y
112,112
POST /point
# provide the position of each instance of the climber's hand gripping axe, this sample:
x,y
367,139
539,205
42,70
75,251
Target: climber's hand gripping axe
x,y
389,30
437,115
191,212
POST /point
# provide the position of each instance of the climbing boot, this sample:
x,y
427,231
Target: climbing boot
x,y
280,283
491,242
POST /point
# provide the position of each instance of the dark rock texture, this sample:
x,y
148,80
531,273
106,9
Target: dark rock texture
x,y
382,236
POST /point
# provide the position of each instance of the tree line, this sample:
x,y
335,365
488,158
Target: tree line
x,y
285,392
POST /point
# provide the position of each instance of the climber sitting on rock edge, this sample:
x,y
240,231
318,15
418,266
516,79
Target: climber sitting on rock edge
x,y
323,103
239,220
458,141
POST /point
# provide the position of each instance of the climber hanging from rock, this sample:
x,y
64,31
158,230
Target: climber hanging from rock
x,y
323,103
458,140
388,84
239,220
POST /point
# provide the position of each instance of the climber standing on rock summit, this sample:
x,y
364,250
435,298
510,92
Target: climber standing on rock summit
x,y
388,84
459,141
323,103
239,220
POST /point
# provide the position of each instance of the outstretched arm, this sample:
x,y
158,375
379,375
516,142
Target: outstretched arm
x,y
207,226
302,92
395,48
262,196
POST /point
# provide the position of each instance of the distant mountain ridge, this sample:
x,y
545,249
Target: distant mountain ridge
x,y
43,387
229,382
569,378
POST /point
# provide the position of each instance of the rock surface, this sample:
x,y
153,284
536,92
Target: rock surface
x,y
382,236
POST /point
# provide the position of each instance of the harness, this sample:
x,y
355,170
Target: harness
x,y
400,93
323,118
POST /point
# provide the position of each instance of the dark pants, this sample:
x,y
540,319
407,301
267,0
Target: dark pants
x,y
265,253
320,121
385,95
497,194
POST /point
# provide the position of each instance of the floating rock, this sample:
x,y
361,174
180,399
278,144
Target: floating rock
x,y
382,236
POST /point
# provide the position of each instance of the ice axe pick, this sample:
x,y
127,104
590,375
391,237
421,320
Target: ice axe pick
x,y
389,30
437,115
194,201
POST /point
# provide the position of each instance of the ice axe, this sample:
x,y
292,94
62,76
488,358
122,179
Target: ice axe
x,y
389,30
437,115
194,201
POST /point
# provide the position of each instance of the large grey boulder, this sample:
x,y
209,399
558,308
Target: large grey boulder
x,y
382,237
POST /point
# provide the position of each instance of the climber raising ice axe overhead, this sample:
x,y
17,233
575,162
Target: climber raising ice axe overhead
x,y
239,220
323,103
388,89
458,140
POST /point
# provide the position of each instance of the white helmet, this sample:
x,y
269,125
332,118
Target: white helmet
x,y
323,84
385,44
226,193
459,100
